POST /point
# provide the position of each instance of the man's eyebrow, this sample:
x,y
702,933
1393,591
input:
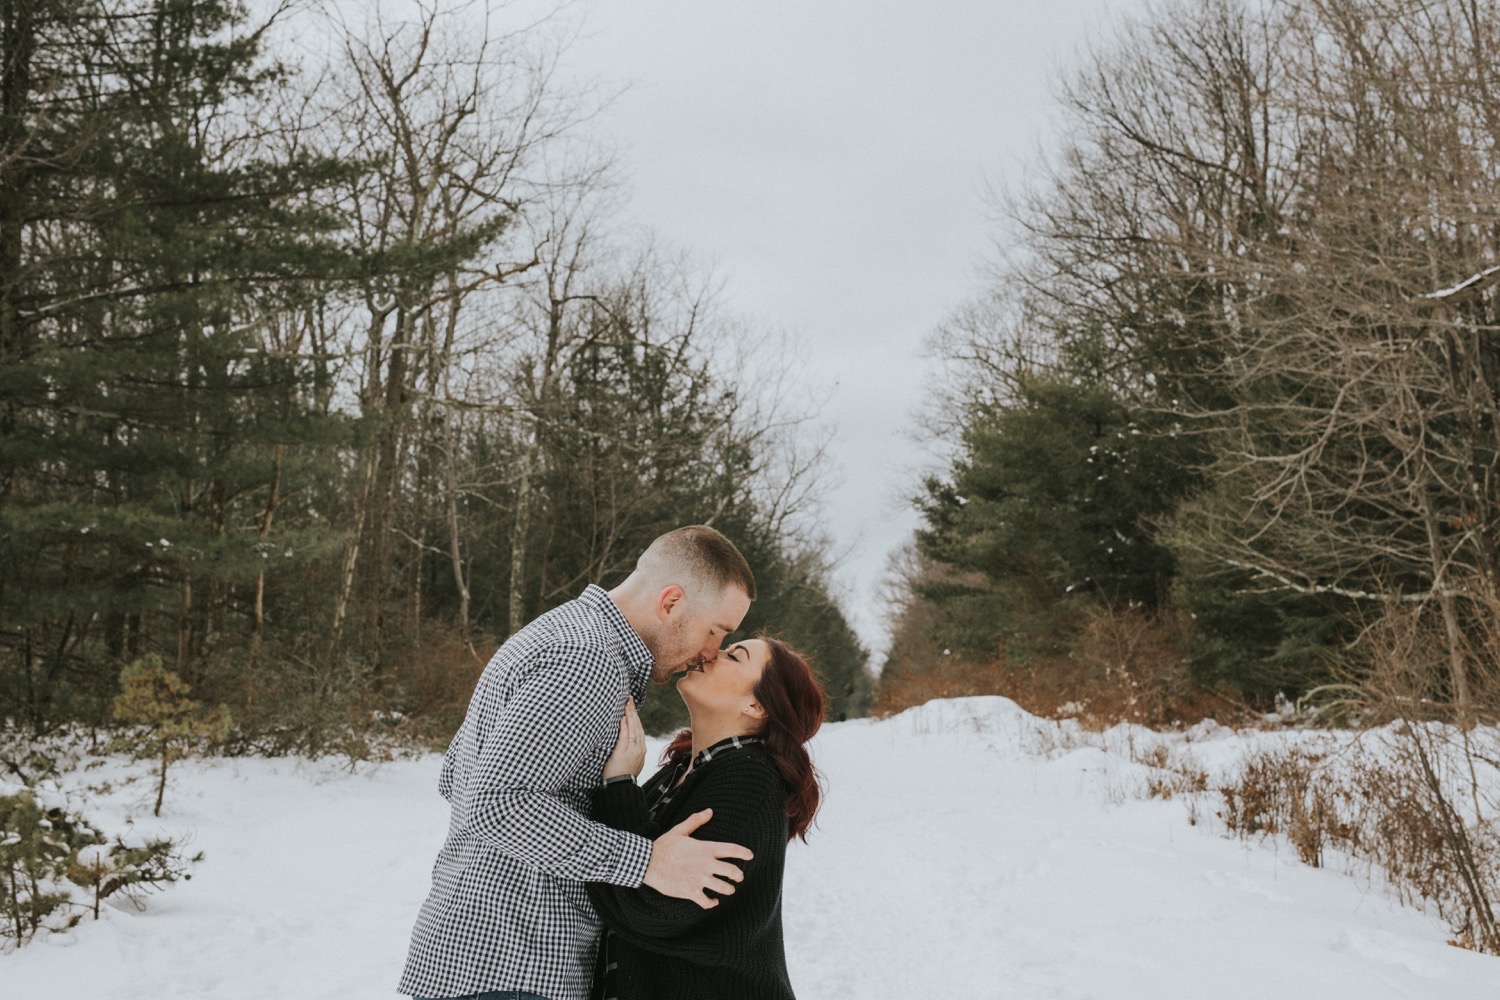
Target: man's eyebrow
x,y
726,629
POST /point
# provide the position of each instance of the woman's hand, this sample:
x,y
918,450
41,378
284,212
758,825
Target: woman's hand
x,y
629,755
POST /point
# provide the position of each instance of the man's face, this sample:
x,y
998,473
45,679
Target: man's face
x,y
692,634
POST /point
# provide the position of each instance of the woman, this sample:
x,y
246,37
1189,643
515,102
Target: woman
x,y
751,710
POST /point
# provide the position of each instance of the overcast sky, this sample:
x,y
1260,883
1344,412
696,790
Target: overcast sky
x,y
829,158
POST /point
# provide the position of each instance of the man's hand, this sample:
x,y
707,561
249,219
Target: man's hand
x,y
684,868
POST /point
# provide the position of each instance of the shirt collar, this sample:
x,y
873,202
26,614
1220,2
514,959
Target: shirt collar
x,y
637,657
665,782
728,743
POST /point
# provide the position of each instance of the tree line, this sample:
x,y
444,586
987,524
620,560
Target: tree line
x,y
1225,419
323,367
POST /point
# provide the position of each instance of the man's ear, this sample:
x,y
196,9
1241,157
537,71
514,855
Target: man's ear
x,y
671,598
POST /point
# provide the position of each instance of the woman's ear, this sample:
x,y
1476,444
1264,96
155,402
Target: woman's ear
x,y
755,711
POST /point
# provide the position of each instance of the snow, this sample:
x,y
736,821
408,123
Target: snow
x,y
1467,283
965,850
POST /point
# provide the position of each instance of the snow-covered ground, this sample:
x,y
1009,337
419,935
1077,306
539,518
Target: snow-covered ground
x,y
966,850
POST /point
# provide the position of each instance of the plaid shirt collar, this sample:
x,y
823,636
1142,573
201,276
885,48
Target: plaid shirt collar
x,y
728,743
637,657
668,782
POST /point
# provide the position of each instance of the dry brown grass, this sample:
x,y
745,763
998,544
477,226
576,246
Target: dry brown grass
x,y
437,678
1389,800
952,678
1283,792
1172,775
1125,665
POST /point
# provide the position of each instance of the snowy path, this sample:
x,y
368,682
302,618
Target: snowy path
x,y
1005,874
951,861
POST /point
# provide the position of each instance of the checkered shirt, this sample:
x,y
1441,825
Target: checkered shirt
x,y
507,909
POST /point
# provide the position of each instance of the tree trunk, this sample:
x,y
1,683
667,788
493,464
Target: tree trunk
x,y
161,784
184,623
258,608
519,530
455,549
379,519
351,553
17,46
1457,664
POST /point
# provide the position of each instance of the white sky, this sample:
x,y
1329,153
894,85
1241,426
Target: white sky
x,y
829,158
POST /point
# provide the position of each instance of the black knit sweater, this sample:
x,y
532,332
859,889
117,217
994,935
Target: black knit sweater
x,y
672,949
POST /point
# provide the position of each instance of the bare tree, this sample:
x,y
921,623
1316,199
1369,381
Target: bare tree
x,y
456,112
1367,376
1273,226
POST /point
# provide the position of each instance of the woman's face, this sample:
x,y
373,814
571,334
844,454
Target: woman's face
x,y
726,684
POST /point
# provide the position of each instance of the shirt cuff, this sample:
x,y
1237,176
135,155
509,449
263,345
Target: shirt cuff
x,y
619,778
633,856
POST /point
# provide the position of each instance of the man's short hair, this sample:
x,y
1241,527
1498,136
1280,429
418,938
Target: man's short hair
x,y
702,555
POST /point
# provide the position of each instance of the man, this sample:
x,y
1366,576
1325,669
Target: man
x,y
507,913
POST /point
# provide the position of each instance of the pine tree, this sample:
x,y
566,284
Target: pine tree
x,y
170,724
149,252
38,847
1051,499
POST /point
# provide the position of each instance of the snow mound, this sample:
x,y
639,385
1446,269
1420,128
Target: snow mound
x,y
965,849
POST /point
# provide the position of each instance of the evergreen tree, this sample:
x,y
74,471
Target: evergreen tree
x,y
296,386
1050,502
170,724
150,247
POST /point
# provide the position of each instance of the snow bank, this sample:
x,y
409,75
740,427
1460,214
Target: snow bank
x,y
966,849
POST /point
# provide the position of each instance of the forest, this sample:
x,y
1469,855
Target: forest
x,y
325,367
1224,418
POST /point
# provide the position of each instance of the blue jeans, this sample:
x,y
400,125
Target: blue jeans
x,y
492,995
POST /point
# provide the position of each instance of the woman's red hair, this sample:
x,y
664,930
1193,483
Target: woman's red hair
x,y
793,702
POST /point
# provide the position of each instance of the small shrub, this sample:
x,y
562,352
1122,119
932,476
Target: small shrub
x,y
1172,774
38,845
953,676
1117,665
307,701
127,869
1134,663
1389,805
49,851
1294,792
170,725
437,677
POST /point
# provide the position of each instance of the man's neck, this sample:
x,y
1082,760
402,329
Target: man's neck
x,y
638,613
